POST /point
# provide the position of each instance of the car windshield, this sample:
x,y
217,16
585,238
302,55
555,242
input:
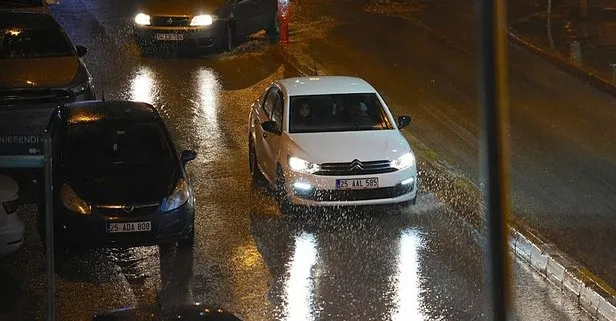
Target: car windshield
x,y
97,147
33,43
337,112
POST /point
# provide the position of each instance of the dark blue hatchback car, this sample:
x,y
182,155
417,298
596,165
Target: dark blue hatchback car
x,y
118,180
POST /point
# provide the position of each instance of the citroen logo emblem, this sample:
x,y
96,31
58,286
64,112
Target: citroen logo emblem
x,y
128,208
356,165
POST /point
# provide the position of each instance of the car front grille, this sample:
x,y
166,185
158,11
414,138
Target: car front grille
x,y
165,21
355,167
355,195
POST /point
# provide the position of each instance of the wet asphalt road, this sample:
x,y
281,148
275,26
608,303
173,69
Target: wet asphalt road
x,y
422,57
376,264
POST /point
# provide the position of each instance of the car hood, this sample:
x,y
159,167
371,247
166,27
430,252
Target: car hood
x,y
38,72
126,186
347,146
180,7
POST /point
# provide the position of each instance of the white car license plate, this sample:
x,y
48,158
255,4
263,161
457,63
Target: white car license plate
x,y
357,183
169,36
128,227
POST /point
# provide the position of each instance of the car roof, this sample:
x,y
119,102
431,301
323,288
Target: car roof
x,y
109,110
27,20
300,86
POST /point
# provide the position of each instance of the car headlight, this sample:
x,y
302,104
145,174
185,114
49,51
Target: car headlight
x,y
202,20
142,19
72,201
404,161
79,89
178,198
300,165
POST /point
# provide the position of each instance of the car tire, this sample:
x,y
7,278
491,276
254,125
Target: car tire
x,y
189,241
281,193
255,173
62,253
273,30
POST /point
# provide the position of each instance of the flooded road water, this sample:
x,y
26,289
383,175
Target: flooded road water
x,y
422,263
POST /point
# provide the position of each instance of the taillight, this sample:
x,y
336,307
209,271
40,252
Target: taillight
x,y
10,206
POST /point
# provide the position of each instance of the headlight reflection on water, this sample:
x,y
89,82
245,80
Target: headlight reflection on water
x,y
143,86
299,287
206,106
407,287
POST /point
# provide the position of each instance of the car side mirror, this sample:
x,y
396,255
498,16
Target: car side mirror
x,y
404,121
270,126
81,51
187,155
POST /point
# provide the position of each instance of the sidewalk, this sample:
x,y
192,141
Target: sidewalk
x,y
583,47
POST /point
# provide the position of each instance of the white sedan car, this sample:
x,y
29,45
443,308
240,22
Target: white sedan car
x,y
330,141
11,227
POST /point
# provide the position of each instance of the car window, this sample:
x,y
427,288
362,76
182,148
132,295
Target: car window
x,y
338,112
277,111
105,146
270,100
33,43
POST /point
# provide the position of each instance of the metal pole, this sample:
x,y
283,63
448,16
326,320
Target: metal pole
x,y
493,149
51,286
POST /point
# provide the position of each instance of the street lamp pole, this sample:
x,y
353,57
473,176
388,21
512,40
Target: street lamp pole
x,y
493,149
49,229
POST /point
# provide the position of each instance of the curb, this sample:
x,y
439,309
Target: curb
x,y
581,73
577,282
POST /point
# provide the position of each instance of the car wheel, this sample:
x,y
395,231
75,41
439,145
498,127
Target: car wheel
x,y
189,241
255,172
230,37
62,250
273,30
281,193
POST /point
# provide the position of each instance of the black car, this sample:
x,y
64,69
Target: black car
x,y
40,69
27,5
118,180
203,23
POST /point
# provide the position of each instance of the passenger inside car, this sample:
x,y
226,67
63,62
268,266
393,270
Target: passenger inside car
x,y
344,112
304,114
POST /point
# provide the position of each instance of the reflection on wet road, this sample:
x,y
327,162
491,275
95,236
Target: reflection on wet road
x,y
371,264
